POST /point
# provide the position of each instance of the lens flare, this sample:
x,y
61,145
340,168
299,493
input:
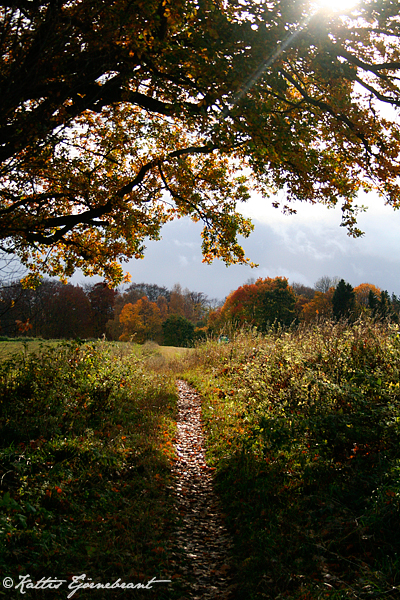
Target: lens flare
x,y
335,6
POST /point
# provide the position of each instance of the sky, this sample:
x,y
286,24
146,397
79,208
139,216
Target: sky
x,y
302,247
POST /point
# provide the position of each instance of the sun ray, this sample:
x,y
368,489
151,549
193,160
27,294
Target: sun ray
x,y
336,6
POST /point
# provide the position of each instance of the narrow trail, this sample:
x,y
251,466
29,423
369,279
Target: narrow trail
x,y
202,534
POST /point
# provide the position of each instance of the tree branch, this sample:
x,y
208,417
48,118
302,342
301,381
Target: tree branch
x,y
394,65
377,94
68,222
325,107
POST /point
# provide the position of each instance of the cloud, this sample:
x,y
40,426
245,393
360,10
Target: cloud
x,y
301,247
181,244
183,261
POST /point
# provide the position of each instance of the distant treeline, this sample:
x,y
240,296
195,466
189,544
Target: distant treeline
x,y
265,302
142,311
179,316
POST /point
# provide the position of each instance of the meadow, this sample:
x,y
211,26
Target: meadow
x,y
12,346
86,434
302,428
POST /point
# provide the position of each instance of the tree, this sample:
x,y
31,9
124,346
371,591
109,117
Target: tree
x,y
68,314
343,300
141,321
278,303
119,116
384,307
102,300
304,294
325,283
395,301
319,307
176,304
52,310
152,291
363,294
303,290
373,302
194,306
16,305
260,304
191,305
177,331
163,307
133,293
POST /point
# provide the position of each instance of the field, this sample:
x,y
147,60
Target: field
x,y
303,430
11,347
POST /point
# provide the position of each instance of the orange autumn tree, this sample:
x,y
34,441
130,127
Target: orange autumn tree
x,y
117,117
362,292
320,307
141,321
261,304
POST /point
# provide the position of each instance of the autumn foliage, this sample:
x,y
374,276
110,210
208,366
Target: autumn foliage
x,y
180,316
140,312
269,302
55,310
362,293
260,304
117,117
141,321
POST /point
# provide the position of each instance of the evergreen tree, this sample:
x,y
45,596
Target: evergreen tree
x,y
372,302
278,304
178,331
343,300
385,307
396,305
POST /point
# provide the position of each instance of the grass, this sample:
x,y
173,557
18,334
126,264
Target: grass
x,y
13,346
303,429
160,357
85,453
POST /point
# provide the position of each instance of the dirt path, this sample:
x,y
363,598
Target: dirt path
x,y
202,534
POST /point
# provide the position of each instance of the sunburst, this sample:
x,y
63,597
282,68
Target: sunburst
x,y
336,6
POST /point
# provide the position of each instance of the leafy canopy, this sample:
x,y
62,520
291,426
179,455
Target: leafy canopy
x,y
261,304
119,116
141,321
